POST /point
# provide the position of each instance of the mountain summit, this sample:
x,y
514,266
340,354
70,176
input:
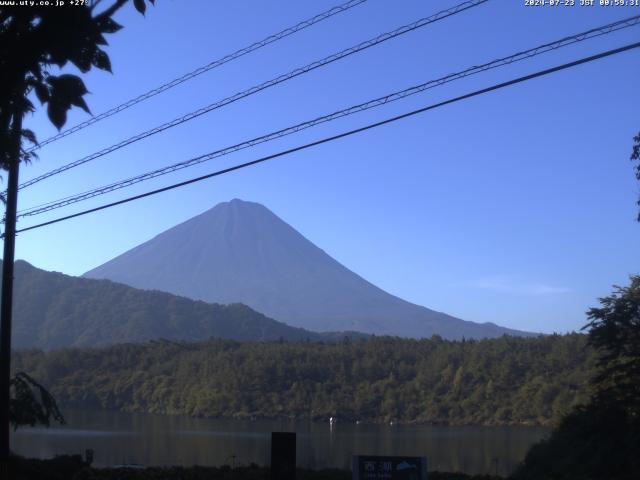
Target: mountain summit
x,y
240,252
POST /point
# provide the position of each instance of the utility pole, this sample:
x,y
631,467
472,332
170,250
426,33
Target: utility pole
x,y
6,299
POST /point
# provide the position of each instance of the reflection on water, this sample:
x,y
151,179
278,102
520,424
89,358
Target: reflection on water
x,y
174,440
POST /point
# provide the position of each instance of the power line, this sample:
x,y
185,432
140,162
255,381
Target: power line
x,y
270,83
344,134
592,33
205,68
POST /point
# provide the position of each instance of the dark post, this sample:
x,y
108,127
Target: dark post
x,y
6,299
283,456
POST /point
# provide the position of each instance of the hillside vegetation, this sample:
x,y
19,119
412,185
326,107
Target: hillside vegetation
x,y
498,381
52,310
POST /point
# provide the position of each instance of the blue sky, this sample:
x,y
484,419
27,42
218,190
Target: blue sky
x,y
516,207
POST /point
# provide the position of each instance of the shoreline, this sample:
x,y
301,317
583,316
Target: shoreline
x,y
318,420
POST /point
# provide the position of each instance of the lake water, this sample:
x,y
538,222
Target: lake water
x,y
175,440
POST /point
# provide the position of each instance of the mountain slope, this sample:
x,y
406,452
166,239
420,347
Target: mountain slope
x,y
54,310
241,252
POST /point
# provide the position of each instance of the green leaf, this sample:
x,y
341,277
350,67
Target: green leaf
x,y
107,25
29,135
27,106
57,114
79,102
42,92
100,40
83,58
67,85
140,6
101,60
66,90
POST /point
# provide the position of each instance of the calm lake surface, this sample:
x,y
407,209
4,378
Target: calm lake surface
x,y
175,440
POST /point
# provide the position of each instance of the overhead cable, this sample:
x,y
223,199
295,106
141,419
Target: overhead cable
x,y
205,68
258,88
532,52
498,86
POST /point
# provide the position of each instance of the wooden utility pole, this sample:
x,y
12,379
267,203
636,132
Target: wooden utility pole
x,y
6,299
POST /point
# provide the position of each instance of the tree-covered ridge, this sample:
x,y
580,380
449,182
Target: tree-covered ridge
x,y
53,310
497,381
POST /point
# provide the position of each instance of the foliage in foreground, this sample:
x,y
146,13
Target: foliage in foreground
x,y
591,443
49,39
602,439
499,381
31,404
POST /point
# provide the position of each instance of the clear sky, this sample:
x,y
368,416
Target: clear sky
x,y
517,207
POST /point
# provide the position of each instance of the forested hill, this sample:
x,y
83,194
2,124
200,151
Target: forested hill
x,y
53,310
498,381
